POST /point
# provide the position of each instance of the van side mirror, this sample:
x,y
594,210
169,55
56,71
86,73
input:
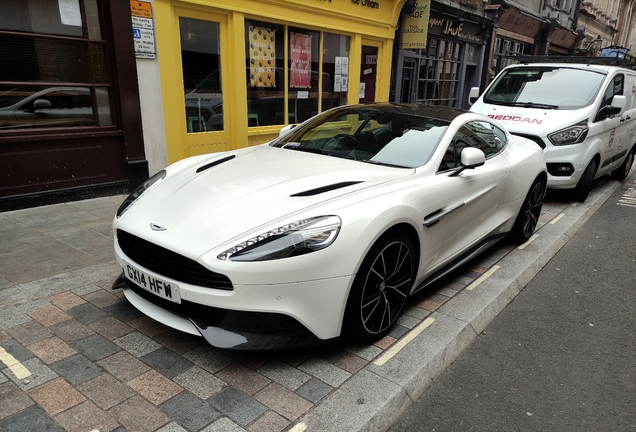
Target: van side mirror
x,y
473,95
619,103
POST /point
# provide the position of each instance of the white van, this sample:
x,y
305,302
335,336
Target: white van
x,y
582,115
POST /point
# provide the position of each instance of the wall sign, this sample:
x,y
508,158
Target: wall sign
x,y
414,28
143,29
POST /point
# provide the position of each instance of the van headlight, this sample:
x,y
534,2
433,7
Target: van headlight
x,y
297,238
137,193
571,135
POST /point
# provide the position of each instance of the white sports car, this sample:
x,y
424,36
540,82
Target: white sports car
x,y
327,230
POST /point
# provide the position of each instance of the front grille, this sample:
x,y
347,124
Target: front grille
x,y
170,264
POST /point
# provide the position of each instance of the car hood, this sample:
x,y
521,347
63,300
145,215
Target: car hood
x,y
202,210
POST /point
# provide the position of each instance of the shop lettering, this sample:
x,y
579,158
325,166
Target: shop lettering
x,y
453,31
452,28
413,29
367,3
515,118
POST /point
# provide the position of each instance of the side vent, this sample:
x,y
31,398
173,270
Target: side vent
x,y
324,189
215,163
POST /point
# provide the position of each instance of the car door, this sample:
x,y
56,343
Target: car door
x,y
459,210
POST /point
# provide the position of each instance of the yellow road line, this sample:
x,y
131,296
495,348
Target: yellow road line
x,y
482,278
16,367
300,427
396,347
530,240
556,219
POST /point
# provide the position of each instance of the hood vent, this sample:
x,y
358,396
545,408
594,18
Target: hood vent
x,y
324,189
215,163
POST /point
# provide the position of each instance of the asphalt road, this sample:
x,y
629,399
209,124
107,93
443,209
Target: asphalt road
x,y
562,355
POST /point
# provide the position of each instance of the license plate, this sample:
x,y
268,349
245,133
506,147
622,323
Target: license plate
x,y
159,287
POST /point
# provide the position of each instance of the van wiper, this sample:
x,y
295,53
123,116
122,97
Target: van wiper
x,y
533,105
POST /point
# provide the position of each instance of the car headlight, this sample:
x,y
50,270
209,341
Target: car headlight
x,y
137,193
570,135
298,238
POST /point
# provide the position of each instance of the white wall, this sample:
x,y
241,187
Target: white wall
x,y
152,114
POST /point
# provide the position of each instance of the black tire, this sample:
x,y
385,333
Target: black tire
x,y
622,172
584,186
528,217
380,288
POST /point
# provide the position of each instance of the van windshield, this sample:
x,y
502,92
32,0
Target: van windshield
x,y
545,87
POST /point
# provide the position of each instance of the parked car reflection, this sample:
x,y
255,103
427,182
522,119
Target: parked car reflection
x,y
31,107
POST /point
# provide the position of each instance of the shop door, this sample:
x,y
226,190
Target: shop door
x,y
368,73
205,107
405,90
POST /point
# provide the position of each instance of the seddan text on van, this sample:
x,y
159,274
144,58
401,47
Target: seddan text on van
x,y
582,115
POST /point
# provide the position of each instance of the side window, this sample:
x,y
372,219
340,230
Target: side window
x,y
614,88
452,157
486,137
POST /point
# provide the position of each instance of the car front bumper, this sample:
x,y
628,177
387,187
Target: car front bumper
x,y
269,316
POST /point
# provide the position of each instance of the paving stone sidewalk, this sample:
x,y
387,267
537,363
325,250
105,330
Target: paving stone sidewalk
x,y
76,356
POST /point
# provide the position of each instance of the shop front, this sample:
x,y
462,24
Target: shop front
x,y
233,74
443,72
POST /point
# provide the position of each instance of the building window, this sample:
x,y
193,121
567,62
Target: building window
x,y
53,71
439,73
201,63
290,87
505,50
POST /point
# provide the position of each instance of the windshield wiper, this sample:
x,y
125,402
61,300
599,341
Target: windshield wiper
x,y
297,146
382,163
533,105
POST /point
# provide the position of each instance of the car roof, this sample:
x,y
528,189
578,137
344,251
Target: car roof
x,y
444,113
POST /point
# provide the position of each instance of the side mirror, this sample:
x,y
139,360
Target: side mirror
x,y
286,129
41,104
471,158
619,103
473,95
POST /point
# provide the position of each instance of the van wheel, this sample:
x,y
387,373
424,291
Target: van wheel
x,y
583,188
622,172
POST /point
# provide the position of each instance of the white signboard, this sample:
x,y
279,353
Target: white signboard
x,y
143,29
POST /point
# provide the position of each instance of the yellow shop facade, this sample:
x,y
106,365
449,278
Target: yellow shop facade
x,y
234,72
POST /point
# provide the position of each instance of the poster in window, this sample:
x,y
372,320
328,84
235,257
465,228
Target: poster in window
x,y
262,43
300,56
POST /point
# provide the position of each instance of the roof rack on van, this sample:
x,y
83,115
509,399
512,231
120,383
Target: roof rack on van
x,y
607,61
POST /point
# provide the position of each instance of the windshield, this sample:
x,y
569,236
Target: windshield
x,y
368,135
545,87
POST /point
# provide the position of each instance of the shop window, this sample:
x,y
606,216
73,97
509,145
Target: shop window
x,y
290,87
439,73
53,70
506,50
335,70
201,63
304,56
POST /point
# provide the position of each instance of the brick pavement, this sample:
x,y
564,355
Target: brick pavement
x,y
76,356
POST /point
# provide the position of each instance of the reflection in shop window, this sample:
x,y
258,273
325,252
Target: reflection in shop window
x,y
26,107
201,60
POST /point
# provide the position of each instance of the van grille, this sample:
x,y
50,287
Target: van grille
x,y
170,264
